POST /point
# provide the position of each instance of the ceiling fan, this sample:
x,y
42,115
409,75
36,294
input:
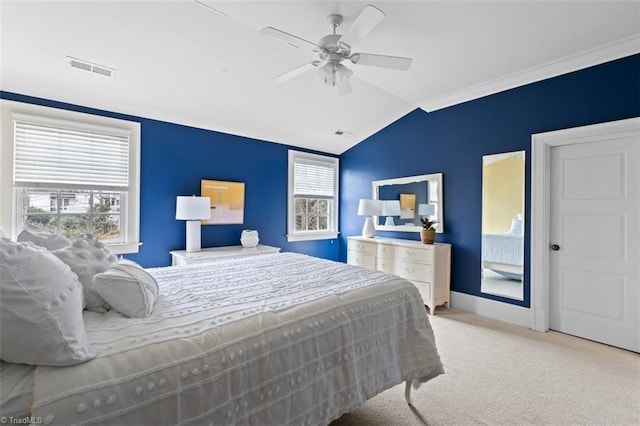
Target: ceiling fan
x,y
334,49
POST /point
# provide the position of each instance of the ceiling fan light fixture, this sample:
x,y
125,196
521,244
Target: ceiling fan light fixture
x,y
343,72
329,73
333,73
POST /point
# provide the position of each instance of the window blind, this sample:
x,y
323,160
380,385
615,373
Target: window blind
x,y
314,179
56,153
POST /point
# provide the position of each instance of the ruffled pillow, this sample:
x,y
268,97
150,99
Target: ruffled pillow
x,y
43,238
87,257
40,308
128,288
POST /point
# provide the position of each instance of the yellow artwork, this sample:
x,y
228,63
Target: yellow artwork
x,y
407,206
227,201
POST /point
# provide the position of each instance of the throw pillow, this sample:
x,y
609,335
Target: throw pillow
x,y
87,257
43,238
40,308
128,288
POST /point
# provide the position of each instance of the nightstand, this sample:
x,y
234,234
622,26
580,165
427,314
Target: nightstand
x,y
211,254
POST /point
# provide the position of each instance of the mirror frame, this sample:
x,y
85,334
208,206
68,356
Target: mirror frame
x,y
376,184
503,267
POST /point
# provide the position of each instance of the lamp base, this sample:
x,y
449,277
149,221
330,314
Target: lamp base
x,y
193,235
389,221
369,229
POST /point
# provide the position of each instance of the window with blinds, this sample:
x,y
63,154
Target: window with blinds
x,y
76,177
313,196
62,154
57,153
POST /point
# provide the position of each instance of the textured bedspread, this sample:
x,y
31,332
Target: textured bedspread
x,y
268,340
503,248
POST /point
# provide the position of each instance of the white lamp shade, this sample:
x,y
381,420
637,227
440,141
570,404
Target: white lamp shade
x,y
368,207
193,208
426,209
391,208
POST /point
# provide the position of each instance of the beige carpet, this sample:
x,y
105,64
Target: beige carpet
x,y
500,374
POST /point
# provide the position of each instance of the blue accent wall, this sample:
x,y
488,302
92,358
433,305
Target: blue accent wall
x,y
453,140
174,158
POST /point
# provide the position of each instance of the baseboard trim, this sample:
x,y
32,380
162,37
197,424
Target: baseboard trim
x,y
506,312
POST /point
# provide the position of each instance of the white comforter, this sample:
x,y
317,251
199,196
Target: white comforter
x,y
503,248
268,340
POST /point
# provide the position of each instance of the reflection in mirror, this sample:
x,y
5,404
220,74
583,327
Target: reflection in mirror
x,y
406,200
503,224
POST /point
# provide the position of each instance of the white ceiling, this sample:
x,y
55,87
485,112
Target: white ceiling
x,y
180,62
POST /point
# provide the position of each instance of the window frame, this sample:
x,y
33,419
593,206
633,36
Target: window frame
x,y
11,219
332,232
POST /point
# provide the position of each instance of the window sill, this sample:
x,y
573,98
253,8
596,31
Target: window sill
x,y
123,248
312,236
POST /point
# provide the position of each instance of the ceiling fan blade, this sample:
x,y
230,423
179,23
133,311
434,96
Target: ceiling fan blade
x,y
364,22
208,7
291,40
296,71
383,61
344,86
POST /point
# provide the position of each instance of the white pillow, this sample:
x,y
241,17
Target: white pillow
x,y
87,256
40,308
43,238
2,233
128,288
516,225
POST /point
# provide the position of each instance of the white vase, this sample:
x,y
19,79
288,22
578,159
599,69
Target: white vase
x,y
249,238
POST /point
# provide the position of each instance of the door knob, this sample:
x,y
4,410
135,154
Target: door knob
x,y
555,247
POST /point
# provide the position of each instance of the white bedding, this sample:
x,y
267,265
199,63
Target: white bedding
x,y
267,340
503,248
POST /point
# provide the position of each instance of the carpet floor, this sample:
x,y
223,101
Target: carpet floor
x,y
501,374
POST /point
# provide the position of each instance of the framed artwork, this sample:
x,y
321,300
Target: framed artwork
x,y
227,201
407,206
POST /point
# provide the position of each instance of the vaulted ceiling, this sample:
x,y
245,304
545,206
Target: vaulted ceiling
x,y
207,65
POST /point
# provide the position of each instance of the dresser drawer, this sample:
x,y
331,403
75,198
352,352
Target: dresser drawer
x,y
359,258
412,270
421,255
386,265
386,251
368,248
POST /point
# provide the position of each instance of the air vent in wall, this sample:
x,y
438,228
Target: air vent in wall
x,y
88,66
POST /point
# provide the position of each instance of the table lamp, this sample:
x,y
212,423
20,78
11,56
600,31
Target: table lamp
x,y
193,209
390,208
369,208
426,209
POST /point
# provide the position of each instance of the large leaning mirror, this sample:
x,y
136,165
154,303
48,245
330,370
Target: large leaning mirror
x,y
406,200
503,224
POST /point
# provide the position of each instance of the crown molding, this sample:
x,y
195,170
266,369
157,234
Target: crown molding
x,y
609,52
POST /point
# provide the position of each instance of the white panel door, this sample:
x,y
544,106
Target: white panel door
x,y
595,259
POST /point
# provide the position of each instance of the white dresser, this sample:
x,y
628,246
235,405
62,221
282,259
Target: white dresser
x,y
211,254
428,266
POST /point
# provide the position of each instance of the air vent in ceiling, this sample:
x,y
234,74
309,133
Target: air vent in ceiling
x,y
339,132
83,65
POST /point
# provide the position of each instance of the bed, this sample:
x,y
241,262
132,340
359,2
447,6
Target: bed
x,y
504,254
277,339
